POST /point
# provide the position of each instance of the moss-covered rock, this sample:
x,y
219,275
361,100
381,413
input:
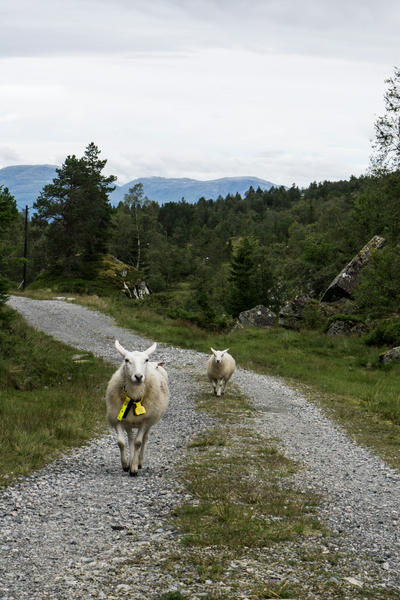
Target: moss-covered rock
x,y
109,276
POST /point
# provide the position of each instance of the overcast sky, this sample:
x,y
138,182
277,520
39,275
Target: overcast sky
x,y
286,90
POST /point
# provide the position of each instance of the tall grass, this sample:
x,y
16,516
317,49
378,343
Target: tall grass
x,y
48,401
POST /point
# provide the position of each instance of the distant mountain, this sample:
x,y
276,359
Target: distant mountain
x,y
25,182
162,189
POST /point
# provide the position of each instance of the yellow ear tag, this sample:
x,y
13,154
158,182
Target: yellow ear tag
x,y
139,409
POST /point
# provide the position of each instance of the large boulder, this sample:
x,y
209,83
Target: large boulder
x,y
259,316
344,284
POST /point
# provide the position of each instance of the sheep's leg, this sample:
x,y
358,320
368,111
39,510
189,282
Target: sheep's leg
x,y
122,446
135,448
214,385
131,438
219,387
223,385
141,453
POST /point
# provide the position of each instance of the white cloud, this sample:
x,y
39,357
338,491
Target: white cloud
x,y
283,90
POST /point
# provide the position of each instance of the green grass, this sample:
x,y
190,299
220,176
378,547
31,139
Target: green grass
x,y
235,475
48,401
241,500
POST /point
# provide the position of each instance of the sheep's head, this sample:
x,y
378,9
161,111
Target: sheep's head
x,y
219,355
135,363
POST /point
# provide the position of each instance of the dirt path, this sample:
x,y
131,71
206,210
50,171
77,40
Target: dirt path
x,y
73,511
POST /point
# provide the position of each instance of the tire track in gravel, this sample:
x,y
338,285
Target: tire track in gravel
x,y
72,509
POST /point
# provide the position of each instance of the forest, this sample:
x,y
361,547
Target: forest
x,y
231,253
220,256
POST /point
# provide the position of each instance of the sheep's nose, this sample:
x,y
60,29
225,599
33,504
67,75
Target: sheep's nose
x,y
139,377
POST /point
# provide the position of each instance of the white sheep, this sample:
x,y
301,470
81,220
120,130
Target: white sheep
x,y
220,368
137,397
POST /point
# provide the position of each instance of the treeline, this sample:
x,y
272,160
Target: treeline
x,y
227,254
236,252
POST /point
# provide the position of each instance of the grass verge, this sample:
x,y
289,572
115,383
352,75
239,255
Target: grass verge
x,y
50,399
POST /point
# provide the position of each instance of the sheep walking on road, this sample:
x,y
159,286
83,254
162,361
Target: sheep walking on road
x,y
137,397
220,368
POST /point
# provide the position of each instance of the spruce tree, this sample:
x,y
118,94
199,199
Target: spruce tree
x,y
75,211
8,214
242,293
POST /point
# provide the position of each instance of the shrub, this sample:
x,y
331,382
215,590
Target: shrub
x,y
386,333
312,315
378,290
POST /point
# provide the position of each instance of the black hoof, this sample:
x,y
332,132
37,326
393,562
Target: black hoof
x,y
125,469
133,473
139,466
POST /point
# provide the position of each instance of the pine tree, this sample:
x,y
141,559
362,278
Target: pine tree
x,y
8,214
242,293
75,211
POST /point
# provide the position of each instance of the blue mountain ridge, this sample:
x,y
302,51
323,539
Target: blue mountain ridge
x,y
25,183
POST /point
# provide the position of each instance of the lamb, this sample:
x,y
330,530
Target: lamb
x,y
137,397
220,368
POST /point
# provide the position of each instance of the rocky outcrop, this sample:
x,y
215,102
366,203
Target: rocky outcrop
x,y
344,284
259,316
391,355
140,290
346,327
291,314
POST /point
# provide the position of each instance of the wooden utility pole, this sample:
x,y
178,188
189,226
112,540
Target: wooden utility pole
x,y
25,247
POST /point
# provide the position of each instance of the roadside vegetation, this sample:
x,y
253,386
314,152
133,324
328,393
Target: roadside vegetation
x,y
51,399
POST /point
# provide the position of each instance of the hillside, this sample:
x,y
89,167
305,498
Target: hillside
x,y
25,183
162,189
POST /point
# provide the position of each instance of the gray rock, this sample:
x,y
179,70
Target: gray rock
x,y
259,316
347,327
291,314
344,284
391,355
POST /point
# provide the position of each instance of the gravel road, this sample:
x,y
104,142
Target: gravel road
x,y
68,528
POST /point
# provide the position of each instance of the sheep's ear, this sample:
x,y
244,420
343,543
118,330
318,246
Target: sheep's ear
x,y
151,349
223,351
212,350
120,348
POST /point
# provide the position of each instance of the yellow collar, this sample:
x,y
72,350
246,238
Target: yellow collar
x,y
127,405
